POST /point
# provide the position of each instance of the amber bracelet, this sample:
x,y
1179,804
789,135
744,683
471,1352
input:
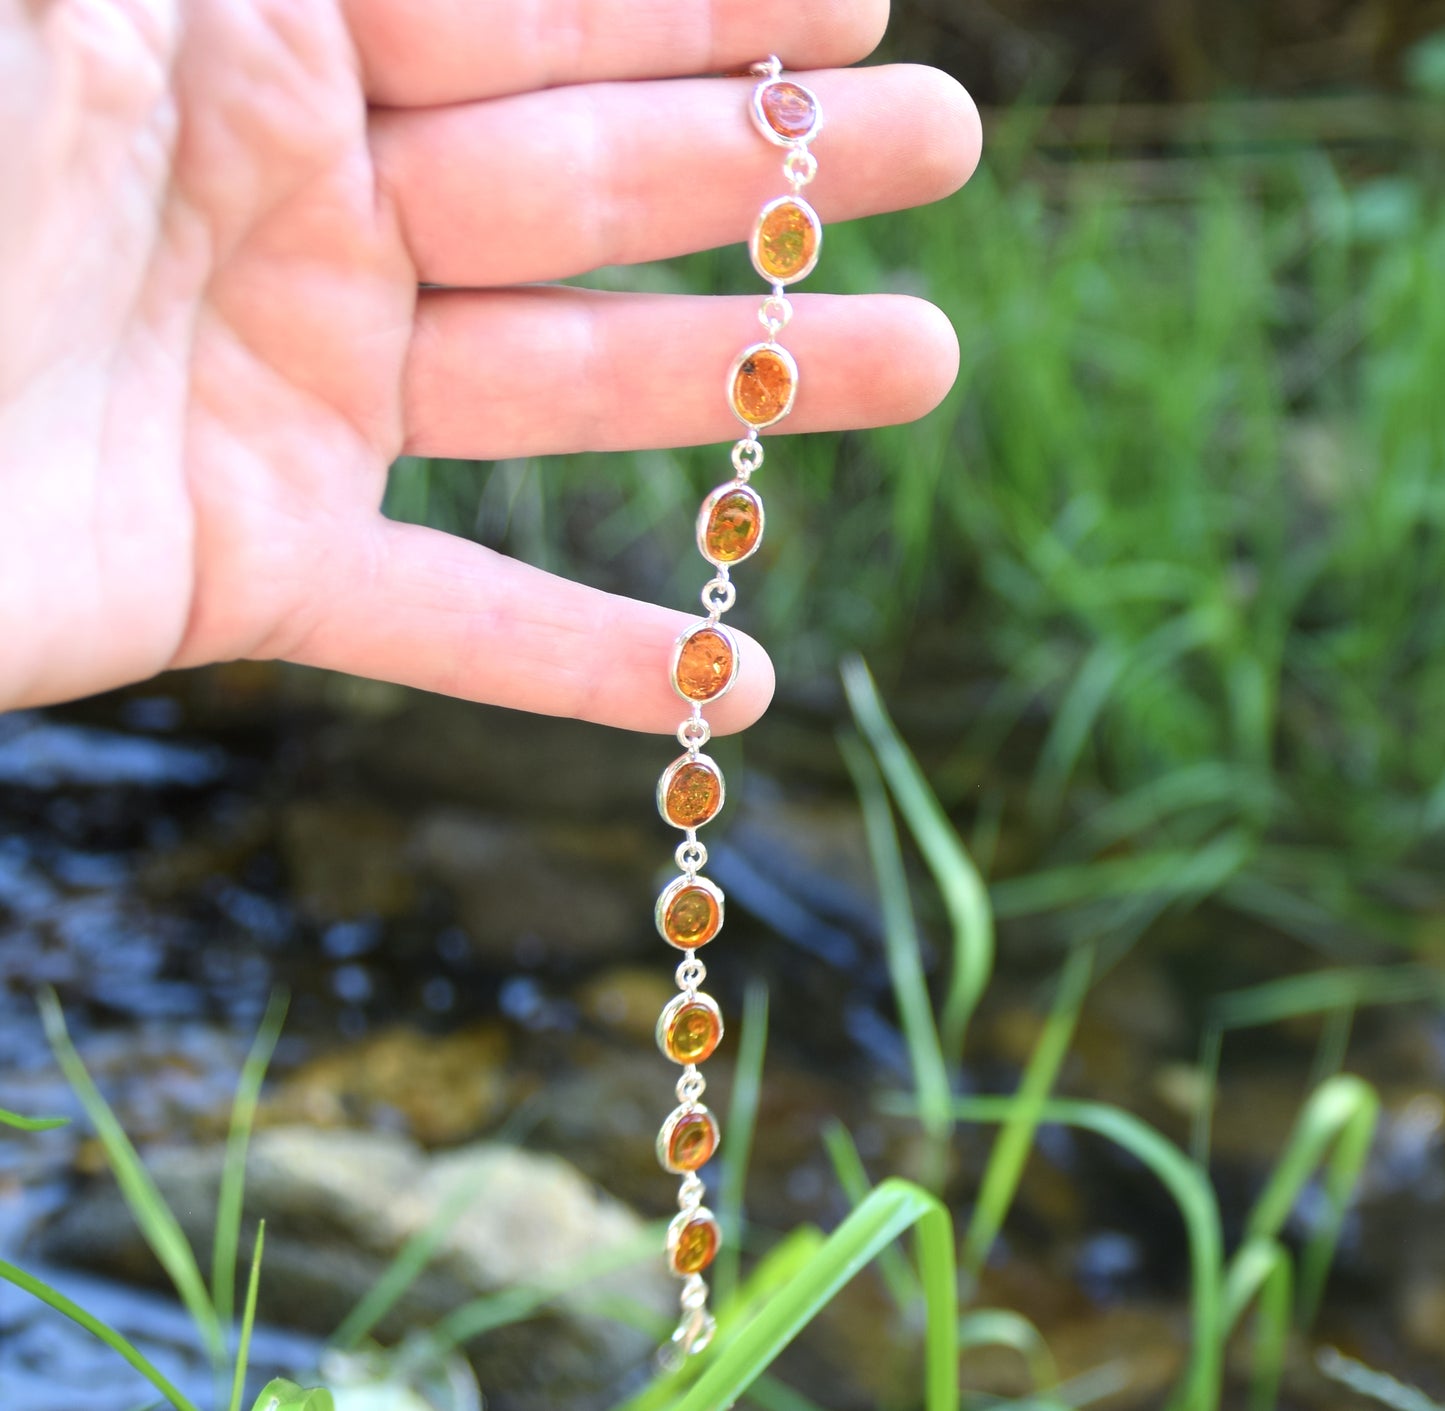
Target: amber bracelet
x,y
761,385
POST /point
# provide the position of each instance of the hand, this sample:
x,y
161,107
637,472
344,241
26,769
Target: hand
x,y
217,214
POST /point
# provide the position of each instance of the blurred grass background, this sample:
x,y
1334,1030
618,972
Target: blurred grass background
x,y
1164,577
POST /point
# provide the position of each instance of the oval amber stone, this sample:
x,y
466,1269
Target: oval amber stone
x,y
734,526
692,918
786,245
695,1245
693,795
693,1035
763,386
705,665
692,1142
790,110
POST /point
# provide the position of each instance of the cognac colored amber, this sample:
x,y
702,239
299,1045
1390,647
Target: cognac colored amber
x,y
693,795
696,1245
704,665
790,110
692,1142
786,245
763,386
693,1034
734,526
692,918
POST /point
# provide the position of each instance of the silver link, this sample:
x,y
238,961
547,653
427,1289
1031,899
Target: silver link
x,y
775,313
691,855
693,734
690,974
800,166
691,1085
718,595
747,457
690,1193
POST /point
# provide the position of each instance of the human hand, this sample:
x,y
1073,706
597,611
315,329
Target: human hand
x,y
216,216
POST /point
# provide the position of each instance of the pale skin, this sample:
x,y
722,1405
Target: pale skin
x,y
215,219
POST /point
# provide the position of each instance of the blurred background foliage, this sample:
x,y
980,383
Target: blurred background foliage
x,y
1164,577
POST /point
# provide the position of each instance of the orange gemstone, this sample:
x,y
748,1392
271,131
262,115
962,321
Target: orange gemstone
x,y
790,110
734,526
695,1245
763,386
694,1033
693,794
692,1142
692,918
786,245
704,665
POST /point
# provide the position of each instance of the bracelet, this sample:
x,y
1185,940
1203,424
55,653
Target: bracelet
x,y
762,383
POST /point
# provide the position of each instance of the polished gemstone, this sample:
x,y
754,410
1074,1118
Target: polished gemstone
x,y
692,917
763,385
789,109
705,664
693,1032
692,1141
695,1244
692,792
732,525
785,245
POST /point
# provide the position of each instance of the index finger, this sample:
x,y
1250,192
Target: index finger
x,y
418,53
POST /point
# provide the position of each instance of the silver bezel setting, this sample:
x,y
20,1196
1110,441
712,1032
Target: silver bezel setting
x,y
760,118
664,1137
670,773
704,518
750,351
670,893
679,1223
673,1008
756,241
680,644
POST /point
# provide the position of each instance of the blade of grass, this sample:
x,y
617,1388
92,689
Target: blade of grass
x,y
965,897
515,1304
738,1139
1342,1114
903,950
1002,1327
230,1201
406,1267
248,1320
893,1265
31,1124
1015,1139
896,1206
157,1224
37,1288
775,1270
1198,1389
1261,1269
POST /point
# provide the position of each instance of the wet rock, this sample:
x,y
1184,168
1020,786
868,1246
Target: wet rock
x,y
627,1000
346,858
568,892
441,1089
338,1207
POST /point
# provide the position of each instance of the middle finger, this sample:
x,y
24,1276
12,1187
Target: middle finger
x,y
551,184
